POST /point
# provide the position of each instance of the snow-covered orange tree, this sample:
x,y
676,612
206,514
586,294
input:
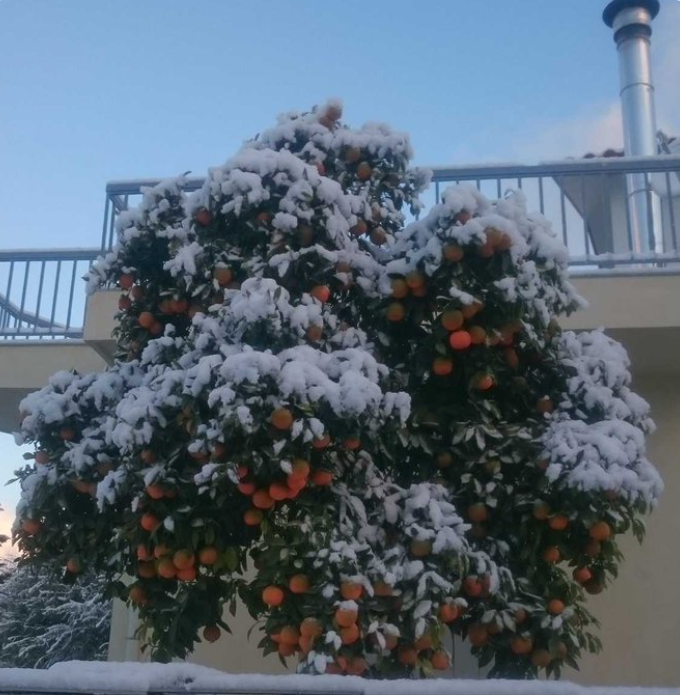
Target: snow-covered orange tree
x,y
309,387
534,431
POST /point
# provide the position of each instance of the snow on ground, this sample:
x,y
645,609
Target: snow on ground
x,y
131,678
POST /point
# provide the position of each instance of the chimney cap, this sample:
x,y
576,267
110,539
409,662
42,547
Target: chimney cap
x,y
614,7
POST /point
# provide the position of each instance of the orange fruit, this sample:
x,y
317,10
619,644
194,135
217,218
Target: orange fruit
x,y
460,340
146,570
242,472
423,643
352,443
391,641
452,320
208,555
183,559
42,457
477,335
299,469
558,522
321,442
511,358
179,306
147,456
253,517
247,489
485,250
155,492
345,617
444,459
582,575
395,312
166,568
592,548
473,587
311,627
67,433
286,649
556,607
299,584
322,478
420,548
73,565
321,292
289,635
359,228
160,550
306,644
378,236
262,499
295,484
484,382
333,669
203,217
263,218
442,366
364,171
399,288
478,634
126,281
462,217
187,575
448,612
552,555
278,492
541,510
137,595
356,666
351,591
352,155
408,656
211,633
440,660
478,513
520,615
146,319
471,310
600,531
282,419
143,553
149,522
223,275
545,406
414,279
541,658
273,596
521,645
453,253
350,634
382,589
314,334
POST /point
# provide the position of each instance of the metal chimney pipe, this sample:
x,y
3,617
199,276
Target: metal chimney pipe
x,y
631,21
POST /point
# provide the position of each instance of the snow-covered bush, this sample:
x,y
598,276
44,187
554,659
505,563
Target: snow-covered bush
x,y
45,620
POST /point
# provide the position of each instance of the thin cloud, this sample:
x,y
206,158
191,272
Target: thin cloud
x,y
600,127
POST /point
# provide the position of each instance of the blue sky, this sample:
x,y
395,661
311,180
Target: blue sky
x,y
93,91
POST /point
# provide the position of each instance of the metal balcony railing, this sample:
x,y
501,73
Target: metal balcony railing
x,y
587,201
42,294
594,205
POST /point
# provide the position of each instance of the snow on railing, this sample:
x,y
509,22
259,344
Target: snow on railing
x,y
104,678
